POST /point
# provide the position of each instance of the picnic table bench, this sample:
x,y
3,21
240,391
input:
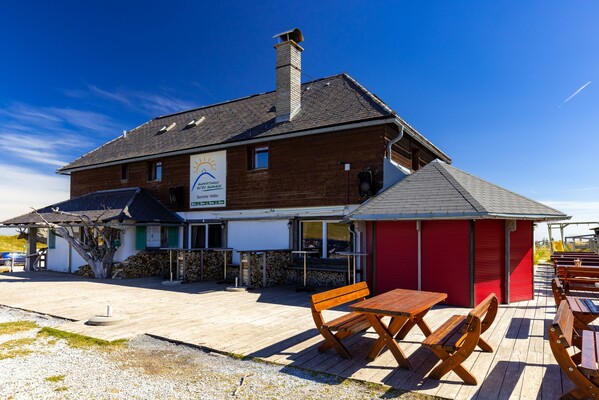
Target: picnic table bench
x,y
345,325
578,278
456,339
580,367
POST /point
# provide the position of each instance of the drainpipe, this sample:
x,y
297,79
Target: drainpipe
x,y
397,139
419,229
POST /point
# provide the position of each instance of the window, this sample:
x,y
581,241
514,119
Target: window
x,y
206,236
328,238
157,236
124,172
260,157
155,171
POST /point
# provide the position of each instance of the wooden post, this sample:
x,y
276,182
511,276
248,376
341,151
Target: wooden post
x,y
31,248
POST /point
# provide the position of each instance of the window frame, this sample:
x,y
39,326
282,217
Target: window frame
x,y
324,251
153,168
255,150
206,235
124,172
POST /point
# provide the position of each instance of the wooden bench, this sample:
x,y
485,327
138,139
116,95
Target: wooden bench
x,y
344,326
579,278
456,339
580,367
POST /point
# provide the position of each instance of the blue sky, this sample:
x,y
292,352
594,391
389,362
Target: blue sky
x,y
490,83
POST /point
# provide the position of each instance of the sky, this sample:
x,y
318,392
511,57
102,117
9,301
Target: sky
x,y
509,90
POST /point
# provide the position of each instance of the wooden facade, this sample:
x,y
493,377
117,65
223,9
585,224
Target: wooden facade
x,y
303,171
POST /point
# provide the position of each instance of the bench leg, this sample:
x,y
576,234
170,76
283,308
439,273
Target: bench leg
x,y
451,362
484,346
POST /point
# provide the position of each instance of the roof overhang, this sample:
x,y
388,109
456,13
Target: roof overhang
x,y
470,216
221,146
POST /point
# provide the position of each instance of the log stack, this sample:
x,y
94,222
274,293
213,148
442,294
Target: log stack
x,y
142,265
208,265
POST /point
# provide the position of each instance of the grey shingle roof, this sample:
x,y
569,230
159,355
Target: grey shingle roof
x,y
326,102
133,204
440,191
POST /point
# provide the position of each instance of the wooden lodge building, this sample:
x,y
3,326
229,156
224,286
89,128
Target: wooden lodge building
x,y
289,169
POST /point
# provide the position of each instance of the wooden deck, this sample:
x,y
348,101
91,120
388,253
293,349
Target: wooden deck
x,y
275,324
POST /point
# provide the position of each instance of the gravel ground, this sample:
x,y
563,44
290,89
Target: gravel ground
x,y
34,366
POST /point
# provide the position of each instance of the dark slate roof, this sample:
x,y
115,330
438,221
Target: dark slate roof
x,y
133,204
440,191
326,102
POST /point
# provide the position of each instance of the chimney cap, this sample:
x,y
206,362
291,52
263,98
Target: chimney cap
x,y
294,34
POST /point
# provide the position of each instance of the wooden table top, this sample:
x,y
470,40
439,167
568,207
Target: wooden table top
x,y
582,305
399,302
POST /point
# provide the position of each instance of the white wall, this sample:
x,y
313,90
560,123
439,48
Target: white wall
x,y
257,235
58,258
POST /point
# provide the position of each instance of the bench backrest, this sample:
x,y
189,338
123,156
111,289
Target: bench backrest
x,y
574,272
332,298
562,327
482,315
558,291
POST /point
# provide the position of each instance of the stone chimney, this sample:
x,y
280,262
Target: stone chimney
x,y
289,74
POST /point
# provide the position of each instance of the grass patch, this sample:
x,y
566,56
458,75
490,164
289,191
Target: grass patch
x,y
541,253
61,389
12,243
80,341
55,378
8,328
13,348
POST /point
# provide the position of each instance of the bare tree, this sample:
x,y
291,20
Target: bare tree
x,y
98,244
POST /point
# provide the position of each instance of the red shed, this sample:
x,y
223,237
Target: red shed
x,y
441,229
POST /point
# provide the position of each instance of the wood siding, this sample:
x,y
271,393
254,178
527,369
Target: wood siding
x,y
396,255
302,172
489,256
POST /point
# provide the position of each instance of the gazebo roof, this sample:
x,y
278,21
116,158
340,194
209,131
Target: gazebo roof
x,y
440,191
132,204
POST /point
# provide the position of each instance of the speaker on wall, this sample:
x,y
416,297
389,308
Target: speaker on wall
x,y
365,183
176,195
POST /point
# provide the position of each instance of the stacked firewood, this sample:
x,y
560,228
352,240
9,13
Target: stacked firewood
x,y
276,261
143,265
213,265
85,270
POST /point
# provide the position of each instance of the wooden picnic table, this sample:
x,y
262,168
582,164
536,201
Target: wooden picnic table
x,y
584,309
406,308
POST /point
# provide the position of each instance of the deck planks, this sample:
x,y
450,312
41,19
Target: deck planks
x,y
275,324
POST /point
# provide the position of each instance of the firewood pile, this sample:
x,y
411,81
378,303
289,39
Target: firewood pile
x,y
316,278
276,263
143,265
213,265
85,270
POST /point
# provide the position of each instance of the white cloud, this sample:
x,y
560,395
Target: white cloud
x,y
23,188
147,103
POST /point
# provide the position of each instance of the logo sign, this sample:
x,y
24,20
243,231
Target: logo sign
x,y
208,180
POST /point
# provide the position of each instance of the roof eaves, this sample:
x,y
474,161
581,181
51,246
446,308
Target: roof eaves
x,y
259,139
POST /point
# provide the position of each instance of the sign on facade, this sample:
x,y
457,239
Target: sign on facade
x,y
208,180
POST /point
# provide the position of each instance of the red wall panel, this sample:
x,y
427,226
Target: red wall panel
x,y
396,255
446,260
521,265
489,256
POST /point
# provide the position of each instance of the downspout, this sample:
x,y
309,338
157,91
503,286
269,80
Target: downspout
x,y
397,139
419,229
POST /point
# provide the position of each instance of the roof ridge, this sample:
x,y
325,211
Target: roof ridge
x,y
441,167
240,98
